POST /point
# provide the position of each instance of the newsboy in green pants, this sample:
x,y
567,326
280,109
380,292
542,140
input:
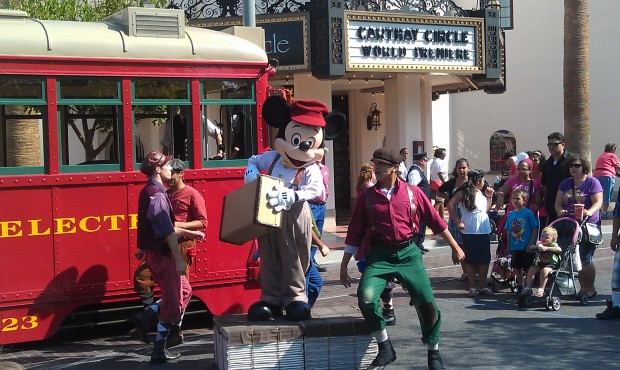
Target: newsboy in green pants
x,y
381,233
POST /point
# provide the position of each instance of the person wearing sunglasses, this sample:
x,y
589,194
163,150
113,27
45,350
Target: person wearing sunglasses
x,y
581,188
554,172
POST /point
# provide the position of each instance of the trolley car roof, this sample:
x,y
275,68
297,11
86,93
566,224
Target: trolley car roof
x,y
107,39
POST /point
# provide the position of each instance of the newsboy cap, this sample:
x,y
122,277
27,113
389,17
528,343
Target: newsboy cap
x,y
152,160
177,165
419,156
309,111
385,155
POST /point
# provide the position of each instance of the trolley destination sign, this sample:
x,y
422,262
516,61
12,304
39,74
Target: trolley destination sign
x,y
414,43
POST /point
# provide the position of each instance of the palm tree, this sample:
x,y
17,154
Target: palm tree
x,y
576,77
23,146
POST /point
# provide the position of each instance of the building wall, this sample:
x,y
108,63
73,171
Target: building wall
x,y
532,106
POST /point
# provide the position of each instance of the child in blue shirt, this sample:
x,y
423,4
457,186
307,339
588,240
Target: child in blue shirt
x,y
522,227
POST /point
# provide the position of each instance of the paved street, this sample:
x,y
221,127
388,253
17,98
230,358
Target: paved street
x,y
483,333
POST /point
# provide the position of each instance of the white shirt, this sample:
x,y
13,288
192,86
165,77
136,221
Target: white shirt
x,y
402,168
438,166
477,220
414,176
310,184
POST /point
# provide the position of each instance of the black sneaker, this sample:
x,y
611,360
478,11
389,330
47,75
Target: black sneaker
x,y
321,268
610,313
389,316
386,356
434,360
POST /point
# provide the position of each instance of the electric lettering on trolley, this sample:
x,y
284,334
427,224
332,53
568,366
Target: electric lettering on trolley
x,y
67,225
450,39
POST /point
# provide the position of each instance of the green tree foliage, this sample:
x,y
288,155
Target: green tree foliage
x,y
77,10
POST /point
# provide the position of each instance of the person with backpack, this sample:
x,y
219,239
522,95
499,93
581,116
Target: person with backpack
x,y
383,225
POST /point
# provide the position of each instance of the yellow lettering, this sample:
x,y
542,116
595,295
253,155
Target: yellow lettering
x,y
84,227
9,229
114,221
65,225
34,228
29,322
133,221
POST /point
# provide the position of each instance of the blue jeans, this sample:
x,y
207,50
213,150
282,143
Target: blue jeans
x,y
314,281
607,182
318,211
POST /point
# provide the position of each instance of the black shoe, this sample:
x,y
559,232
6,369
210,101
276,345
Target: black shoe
x,y
389,316
434,360
386,355
263,311
610,313
321,268
175,337
144,321
161,354
298,311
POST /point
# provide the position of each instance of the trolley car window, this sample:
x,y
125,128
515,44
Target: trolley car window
x,y
21,88
22,125
227,89
21,139
161,89
88,138
228,120
88,88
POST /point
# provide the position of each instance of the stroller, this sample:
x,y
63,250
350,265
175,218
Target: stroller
x,y
502,273
561,282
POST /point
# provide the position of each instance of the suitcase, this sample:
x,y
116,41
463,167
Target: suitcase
x,y
245,215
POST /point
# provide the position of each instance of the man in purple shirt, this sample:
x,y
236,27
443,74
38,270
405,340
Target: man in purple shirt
x,y
158,244
382,230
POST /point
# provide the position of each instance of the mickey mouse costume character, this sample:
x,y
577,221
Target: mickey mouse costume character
x,y
303,128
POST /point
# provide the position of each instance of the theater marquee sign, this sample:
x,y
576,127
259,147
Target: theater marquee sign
x,y
392,42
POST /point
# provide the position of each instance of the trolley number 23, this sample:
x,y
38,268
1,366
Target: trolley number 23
x,y
25,323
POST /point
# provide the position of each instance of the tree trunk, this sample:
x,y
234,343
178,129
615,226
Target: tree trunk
x,y
576,78
22,139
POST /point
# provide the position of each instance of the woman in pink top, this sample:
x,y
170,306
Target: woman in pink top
x,y
533,188
607,166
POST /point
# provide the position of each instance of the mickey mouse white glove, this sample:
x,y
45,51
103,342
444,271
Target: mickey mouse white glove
x,y
251,173
281,198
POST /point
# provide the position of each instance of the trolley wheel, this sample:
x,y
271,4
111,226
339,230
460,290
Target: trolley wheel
x,y
554,303
583,299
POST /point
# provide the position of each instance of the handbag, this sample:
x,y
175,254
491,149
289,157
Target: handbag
x,y
591,233
435,185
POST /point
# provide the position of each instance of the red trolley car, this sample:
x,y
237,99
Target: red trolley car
x,y
80,104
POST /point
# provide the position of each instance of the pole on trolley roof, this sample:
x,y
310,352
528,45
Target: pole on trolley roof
x,y
249,13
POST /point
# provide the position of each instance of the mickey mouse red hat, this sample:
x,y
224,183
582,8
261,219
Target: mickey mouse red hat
x,y
309,111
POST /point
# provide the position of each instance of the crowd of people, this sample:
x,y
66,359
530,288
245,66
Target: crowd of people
x,y
386,225
394,207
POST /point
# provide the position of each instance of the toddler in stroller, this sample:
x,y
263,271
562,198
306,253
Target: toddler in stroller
x,y
557,260
547,260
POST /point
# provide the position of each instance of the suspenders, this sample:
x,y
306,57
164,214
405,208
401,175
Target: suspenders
x,y
370,215
300,171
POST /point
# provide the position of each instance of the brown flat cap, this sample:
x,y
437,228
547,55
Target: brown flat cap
x,y
385,155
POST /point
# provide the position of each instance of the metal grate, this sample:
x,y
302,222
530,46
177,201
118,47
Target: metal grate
x,y
157,25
